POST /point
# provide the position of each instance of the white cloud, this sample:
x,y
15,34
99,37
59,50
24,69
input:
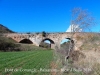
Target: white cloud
x,y
74,28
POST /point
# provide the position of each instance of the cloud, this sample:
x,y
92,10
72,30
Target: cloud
x,y
74,28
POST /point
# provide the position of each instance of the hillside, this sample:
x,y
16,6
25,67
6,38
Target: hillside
x,y
4,29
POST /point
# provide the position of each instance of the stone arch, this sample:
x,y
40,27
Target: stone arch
x,y
51,41
51,44
67,48
70,41
26,41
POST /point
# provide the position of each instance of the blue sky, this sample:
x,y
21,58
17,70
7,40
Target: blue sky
x,y
44,15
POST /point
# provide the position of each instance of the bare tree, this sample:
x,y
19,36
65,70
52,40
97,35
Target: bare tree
x,y
81,19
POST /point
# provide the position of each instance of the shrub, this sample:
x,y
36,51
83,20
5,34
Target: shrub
x,y
7,44
44,45
44,34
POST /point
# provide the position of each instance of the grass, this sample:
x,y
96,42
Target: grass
x,y
25,62
90,64
30,47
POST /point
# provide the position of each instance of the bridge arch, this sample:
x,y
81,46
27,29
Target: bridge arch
x,y
26,41
49,43
67,42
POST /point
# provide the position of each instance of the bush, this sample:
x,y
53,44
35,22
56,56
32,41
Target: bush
x,y
7,44
44,45
44,34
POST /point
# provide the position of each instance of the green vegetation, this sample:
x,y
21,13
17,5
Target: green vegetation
x,y
31,60
8,44
45,45
4,29
25,62
44,34
30,47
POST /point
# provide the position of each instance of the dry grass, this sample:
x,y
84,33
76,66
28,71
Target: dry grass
x,y
86,60
53,66
89,65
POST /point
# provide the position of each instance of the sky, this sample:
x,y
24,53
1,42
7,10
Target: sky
x,y
44,15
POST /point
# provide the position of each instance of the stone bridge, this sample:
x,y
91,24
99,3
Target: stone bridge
x,y
37,38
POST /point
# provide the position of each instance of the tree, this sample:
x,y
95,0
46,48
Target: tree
x,y
81,19
44,34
